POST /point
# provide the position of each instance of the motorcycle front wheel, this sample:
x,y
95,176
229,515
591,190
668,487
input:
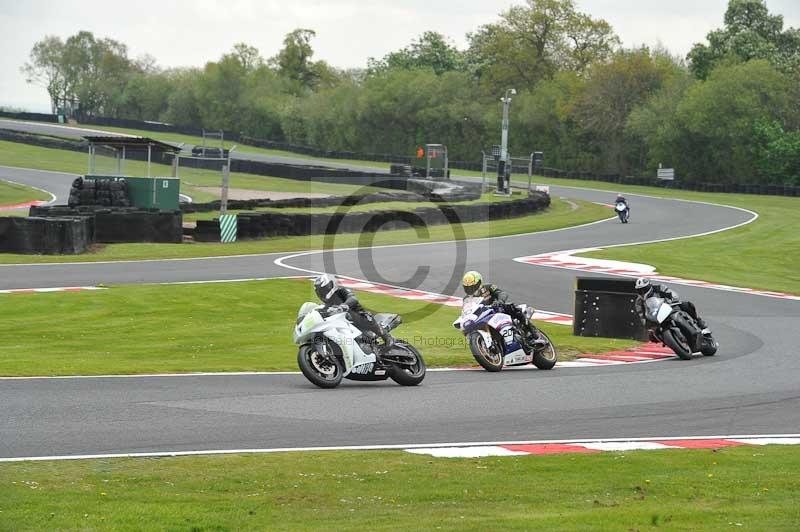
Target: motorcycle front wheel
x,y
678,345
409,373
545,358
490,359
709,347
323,371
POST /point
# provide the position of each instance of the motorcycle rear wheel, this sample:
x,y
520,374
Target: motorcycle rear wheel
x,y
680,348
547,357
489,359
325,372
407,375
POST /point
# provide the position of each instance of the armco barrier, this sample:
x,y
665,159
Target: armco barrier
x,y
44,236
119,225
31,117
254,225
606,307
725,188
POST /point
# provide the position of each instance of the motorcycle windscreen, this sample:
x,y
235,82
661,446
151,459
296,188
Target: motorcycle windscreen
x,y
651,306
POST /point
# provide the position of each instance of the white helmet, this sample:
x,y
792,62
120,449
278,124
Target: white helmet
x,y
643,286
324,286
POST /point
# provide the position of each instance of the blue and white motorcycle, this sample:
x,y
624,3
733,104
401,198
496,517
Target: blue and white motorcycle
x,y
332,349
622,211
496,341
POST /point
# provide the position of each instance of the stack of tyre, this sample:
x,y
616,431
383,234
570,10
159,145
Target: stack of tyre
x,y
102,192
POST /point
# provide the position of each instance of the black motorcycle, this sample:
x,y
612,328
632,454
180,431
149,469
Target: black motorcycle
x,y
677,329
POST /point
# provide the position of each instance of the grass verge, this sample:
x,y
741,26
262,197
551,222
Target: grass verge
x,y
179,138
763,254
242,326
13,193
559,215
728,489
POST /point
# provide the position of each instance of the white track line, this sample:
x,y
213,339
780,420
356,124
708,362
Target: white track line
x,y
53,197
390,447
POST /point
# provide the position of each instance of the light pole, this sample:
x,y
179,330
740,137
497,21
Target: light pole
x,y
502,182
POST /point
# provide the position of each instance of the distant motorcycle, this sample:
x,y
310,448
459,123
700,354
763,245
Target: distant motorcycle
x,y
496,341
676,329
622,211
332,348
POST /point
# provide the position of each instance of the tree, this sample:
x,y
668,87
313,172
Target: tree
x,y
294,61
611,93
248,56
777,153
183,107
717,119
533,42
46,67
431,50
81,70
750,32
653,126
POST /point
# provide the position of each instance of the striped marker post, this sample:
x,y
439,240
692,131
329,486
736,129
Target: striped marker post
x,y
227,228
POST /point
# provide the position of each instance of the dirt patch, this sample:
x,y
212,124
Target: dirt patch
x,y
245,194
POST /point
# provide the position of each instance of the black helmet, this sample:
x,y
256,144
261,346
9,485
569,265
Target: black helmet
x,y
324,286
643,286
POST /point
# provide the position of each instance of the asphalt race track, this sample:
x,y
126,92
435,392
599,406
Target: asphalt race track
x,y
751,387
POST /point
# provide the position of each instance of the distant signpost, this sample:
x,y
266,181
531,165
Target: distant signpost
x,y
666,173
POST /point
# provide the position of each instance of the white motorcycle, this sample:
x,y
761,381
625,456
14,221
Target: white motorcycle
x,y
623,212
332,348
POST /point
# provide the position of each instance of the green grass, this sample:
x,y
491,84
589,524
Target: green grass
x,y
178,138
243,326
763,254
27,156
740,488
13,193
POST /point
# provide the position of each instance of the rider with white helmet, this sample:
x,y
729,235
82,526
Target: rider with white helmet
x,y
646,289
332,295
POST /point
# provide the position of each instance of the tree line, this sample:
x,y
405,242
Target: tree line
x,y
728,112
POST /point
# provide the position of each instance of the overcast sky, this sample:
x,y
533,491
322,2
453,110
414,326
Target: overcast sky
x,y
190,33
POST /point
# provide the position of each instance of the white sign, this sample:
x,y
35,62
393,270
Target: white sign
x,y
666,173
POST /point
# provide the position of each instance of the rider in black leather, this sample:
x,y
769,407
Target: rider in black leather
x,y
333,295
647,289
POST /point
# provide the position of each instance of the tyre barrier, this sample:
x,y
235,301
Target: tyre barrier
x,y
467,193
122,225
606,307
102,192
45,236
256,225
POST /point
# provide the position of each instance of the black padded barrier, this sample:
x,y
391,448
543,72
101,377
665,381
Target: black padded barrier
x,y
256,225
606,307
44,236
